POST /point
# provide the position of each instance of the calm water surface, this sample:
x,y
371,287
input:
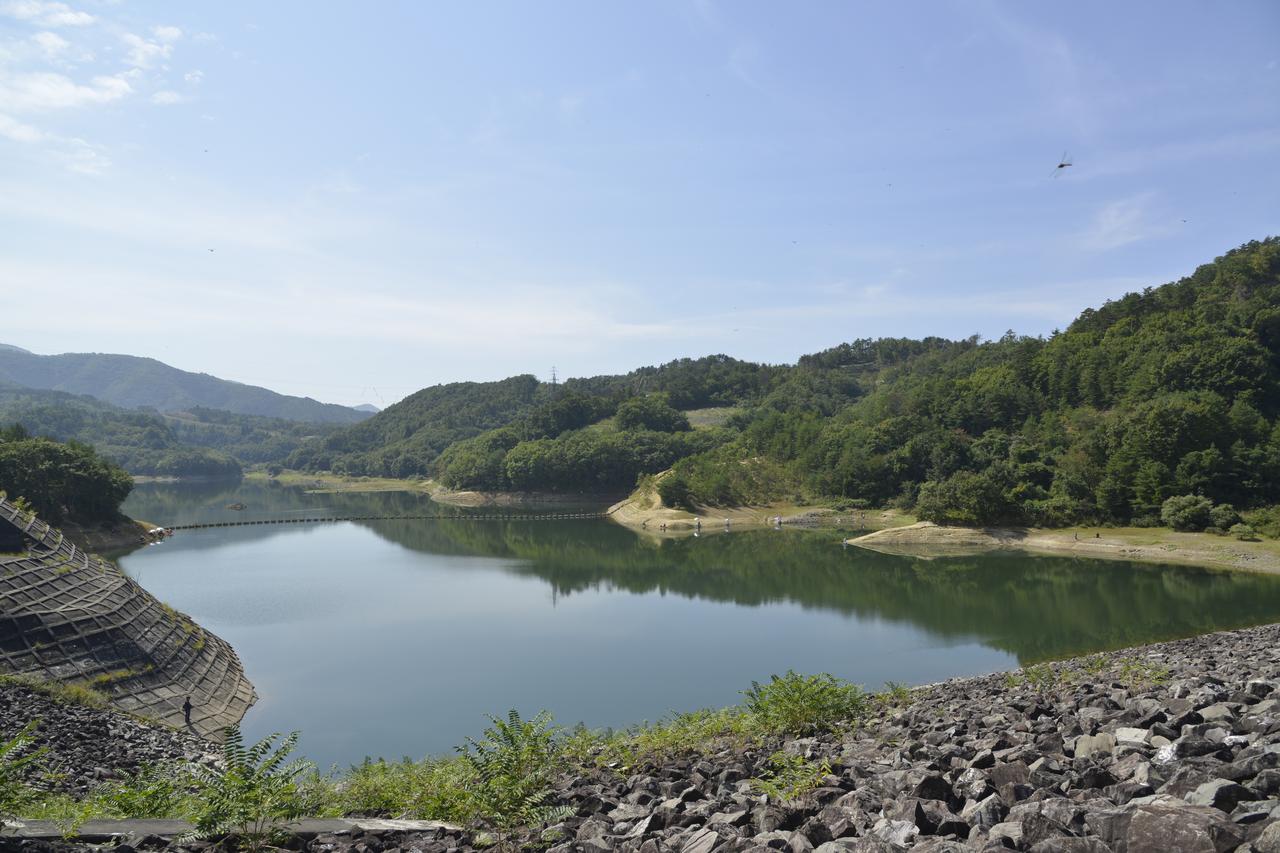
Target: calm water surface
x,y
397,637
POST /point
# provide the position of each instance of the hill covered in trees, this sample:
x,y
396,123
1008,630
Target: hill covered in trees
x,y
133,382
198,442
61,482
1172,391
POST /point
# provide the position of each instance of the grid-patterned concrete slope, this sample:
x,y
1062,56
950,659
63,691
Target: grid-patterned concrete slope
x,y
68,616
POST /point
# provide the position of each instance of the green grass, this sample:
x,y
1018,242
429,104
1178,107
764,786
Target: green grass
x,y
74,693
710,417
790,777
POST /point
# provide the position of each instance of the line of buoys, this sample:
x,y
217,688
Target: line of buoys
x,y
547,517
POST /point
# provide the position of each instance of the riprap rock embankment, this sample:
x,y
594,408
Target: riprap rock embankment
x,y
1170,747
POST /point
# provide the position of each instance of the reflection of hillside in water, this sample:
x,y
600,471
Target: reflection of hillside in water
x,y
188,503
1032,606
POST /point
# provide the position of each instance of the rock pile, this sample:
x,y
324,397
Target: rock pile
x,y
86,746
1171,747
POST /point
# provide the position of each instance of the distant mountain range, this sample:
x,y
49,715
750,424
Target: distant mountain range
x,y
133,382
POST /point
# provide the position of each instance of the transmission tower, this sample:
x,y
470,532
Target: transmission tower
x,y
553,375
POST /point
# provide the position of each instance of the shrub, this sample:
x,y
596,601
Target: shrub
x,y
673,489
1187,512
1266,521
16,761
155,791
1224,517
514,764
435,789
789,777
677,735
253,794
962,498
794,704
1243,532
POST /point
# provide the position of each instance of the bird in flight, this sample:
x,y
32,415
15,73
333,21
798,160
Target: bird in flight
x,y
1062,164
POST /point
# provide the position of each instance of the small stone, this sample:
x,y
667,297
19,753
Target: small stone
x,y
1090,745
1132,736
1221,794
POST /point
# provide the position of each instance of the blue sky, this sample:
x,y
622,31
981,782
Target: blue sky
x,y
400,194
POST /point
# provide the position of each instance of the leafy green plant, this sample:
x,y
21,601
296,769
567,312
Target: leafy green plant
x,y
514,763
1095,664
789,777
797,704
894,694
16,762
254,794
436,789
154,791
66,813
676,735
1142,673
1040,676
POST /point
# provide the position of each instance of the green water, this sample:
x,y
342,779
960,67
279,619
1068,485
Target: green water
x,y
397,637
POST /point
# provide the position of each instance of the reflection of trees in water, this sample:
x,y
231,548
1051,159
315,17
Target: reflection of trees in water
x,y
1031,606
189,502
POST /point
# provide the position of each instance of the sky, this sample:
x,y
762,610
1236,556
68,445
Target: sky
x,y
351,201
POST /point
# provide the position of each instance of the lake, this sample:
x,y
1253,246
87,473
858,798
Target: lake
x,y
396,638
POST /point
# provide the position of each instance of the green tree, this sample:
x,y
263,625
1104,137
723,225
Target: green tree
x,y
1187,512
650,412
962,498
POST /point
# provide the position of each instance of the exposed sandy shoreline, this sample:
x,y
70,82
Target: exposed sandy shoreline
x,y
1123,543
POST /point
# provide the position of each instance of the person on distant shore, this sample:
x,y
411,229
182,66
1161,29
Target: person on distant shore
x,y
186,710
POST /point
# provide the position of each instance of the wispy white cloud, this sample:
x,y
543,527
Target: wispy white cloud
x,y
166,34
71,153
12,129
50,44
1121,222
742,63
46,14
143,53
168,98
39,91
193,78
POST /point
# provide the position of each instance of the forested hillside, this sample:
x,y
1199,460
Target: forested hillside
x,y
1174,391
1169,392
61,481
199,442
132,382
408,438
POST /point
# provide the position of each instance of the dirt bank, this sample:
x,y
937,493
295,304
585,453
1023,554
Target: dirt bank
x,y
1124,543
643,510
124,535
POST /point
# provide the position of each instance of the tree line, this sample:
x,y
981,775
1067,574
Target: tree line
x,y
60,481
